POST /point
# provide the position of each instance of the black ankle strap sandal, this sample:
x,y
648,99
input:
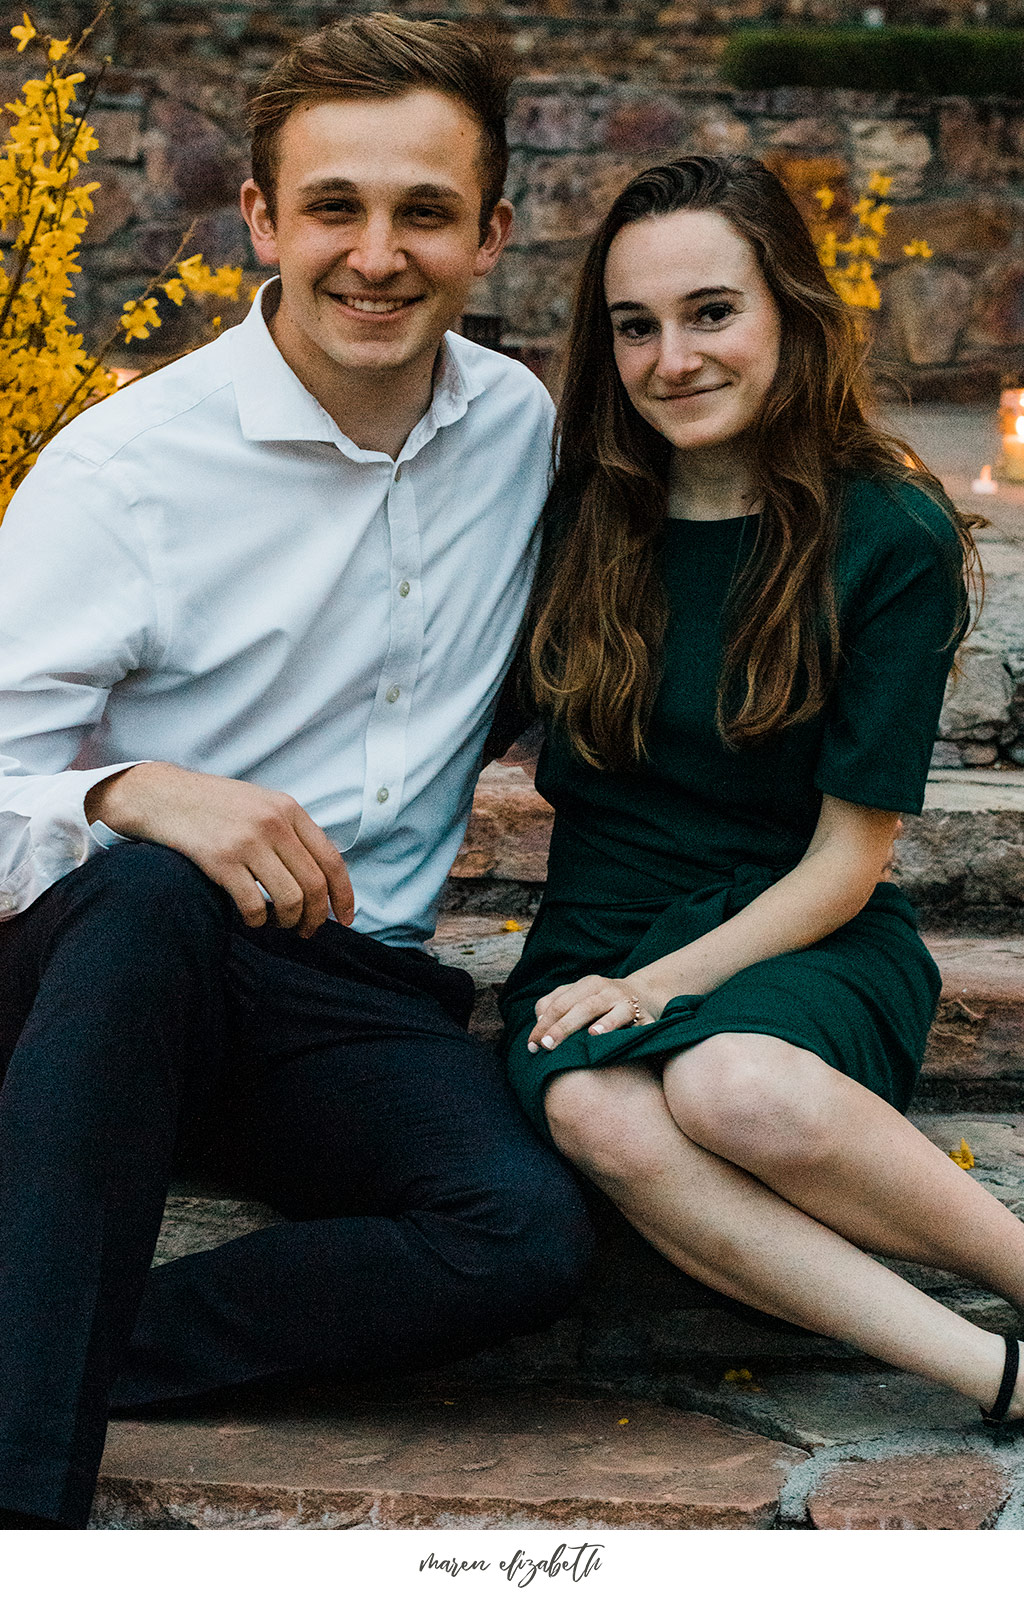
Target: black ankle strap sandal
x,y
997,1416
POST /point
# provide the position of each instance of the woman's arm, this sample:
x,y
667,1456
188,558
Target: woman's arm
x,y
833,880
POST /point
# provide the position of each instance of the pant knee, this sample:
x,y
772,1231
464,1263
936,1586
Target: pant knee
x,y
543,1244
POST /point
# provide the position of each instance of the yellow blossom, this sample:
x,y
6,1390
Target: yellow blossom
x,y
877,184
918,247
511,926
47,376
964,1157
825,197
138,320
25,33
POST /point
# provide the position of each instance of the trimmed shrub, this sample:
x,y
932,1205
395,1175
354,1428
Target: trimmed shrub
x,y
929,61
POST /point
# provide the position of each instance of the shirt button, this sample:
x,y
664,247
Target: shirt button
x,y
403,588
398,474
382,795
7,902
392,694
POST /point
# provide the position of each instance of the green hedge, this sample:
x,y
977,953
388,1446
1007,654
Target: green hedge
x,y
912,60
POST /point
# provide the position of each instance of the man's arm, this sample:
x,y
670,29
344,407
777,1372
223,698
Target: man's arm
x,y
239,834
79,611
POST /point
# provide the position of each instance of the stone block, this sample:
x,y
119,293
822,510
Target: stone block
x,y
508,1460
963,226
565,197
719,134
998,317
816,135
509,831
561,121
910,1491
643,126
970,137
119,134
114,203
967,848
897,147
977,702
928,307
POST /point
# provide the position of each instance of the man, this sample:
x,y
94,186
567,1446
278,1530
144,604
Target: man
x,y
256,613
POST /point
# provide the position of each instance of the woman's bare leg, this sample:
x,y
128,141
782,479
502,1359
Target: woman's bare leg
x,y
844,1156
729,1230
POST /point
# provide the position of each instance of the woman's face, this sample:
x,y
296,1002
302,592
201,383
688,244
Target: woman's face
x,y
695,326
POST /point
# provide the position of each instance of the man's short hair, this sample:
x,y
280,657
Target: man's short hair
x,y
380,56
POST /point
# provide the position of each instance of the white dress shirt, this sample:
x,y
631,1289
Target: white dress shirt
x,y
203,569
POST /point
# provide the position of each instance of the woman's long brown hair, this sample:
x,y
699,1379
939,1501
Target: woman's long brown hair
x,y
599,611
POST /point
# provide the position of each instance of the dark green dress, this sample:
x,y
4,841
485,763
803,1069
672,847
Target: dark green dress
x,y
646,861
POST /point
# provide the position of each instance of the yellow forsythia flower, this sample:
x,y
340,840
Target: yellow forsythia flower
x,y
825,197
25,33
877,184
46,374
964,1157
918,247
511,926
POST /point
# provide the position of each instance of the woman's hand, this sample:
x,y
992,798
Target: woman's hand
x,y
598,1004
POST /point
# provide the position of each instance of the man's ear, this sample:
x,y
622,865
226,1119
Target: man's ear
x,y
495,238
258,220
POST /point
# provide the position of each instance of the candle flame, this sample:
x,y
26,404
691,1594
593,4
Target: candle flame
x,y
1019,425
985,475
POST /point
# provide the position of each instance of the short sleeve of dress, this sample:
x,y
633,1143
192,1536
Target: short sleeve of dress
x,y
902,614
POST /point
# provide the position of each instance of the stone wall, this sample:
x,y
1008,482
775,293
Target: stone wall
x,y
948,325
172,150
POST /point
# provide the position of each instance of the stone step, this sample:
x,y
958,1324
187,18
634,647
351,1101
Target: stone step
x,y
655,1404
976,1050
961,861
514,1459
533,1459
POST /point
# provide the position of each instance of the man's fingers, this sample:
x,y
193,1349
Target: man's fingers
x,y
285,892
244,891
331,864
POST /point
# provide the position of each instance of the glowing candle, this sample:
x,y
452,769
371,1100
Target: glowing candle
x,y
1011,427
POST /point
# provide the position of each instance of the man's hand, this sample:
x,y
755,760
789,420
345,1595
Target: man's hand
x,y
240,835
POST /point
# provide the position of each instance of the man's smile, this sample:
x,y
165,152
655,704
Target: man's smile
x,y
367,305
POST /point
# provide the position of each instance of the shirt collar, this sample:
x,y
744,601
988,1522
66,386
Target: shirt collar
x,y
273,404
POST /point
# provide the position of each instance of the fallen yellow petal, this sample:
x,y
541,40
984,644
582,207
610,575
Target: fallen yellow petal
x,y
511,926
623,1421
738,1375
964,1157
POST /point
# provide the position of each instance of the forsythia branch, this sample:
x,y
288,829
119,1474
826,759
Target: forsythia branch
x,y
46,374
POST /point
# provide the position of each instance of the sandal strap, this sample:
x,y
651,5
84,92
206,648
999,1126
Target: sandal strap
x,y
1011,1367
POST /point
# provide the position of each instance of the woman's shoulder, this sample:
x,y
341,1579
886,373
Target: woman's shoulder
x,y
884,519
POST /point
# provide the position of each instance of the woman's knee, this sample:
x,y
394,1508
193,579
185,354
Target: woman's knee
x,y
599,1120
753,1100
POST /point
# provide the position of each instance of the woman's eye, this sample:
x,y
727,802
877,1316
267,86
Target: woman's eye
x,y
716,311
635,328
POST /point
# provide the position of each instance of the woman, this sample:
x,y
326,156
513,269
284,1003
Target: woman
x,y
748,606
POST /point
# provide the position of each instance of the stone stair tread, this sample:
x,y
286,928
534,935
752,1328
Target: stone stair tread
x,y
512,1459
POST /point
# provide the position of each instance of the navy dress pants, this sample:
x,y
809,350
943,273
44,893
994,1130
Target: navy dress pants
x,y
332,1077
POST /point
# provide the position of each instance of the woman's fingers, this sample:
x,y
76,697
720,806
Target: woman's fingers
x,y
598,1002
